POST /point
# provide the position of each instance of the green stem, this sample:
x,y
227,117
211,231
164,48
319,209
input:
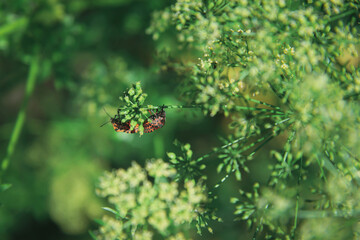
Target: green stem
x,y
307,214
236,108
239,108
174,106
151,107
13,26
341,15
257,230
264,103
296,217
34,68
263,141
221,181
297,202
218,149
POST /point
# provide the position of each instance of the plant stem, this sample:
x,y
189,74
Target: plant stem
x,y
218,149
297,202
151,107
257,230
239,108
307,214
13,26
33,72
263,140
264,103
178,106
341,15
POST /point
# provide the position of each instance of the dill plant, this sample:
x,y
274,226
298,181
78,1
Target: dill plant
x,y
156,204
303,53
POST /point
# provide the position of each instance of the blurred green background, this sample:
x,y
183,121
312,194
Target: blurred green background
x,y
89,52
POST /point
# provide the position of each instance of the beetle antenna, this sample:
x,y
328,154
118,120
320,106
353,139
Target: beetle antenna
x,y
104,123
106,112
109,117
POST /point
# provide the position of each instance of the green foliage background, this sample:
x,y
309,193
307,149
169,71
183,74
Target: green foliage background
x,y
275,132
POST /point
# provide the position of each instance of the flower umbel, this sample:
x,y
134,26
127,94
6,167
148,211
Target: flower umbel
x,y
147,202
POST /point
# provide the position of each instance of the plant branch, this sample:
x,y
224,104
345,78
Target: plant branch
x,y
13,26
32,75
341,15
297,202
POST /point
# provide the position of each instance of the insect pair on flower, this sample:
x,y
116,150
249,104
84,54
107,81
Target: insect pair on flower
x,y
152,123
132,116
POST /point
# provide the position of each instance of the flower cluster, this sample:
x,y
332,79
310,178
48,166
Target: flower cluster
x,y
147,202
